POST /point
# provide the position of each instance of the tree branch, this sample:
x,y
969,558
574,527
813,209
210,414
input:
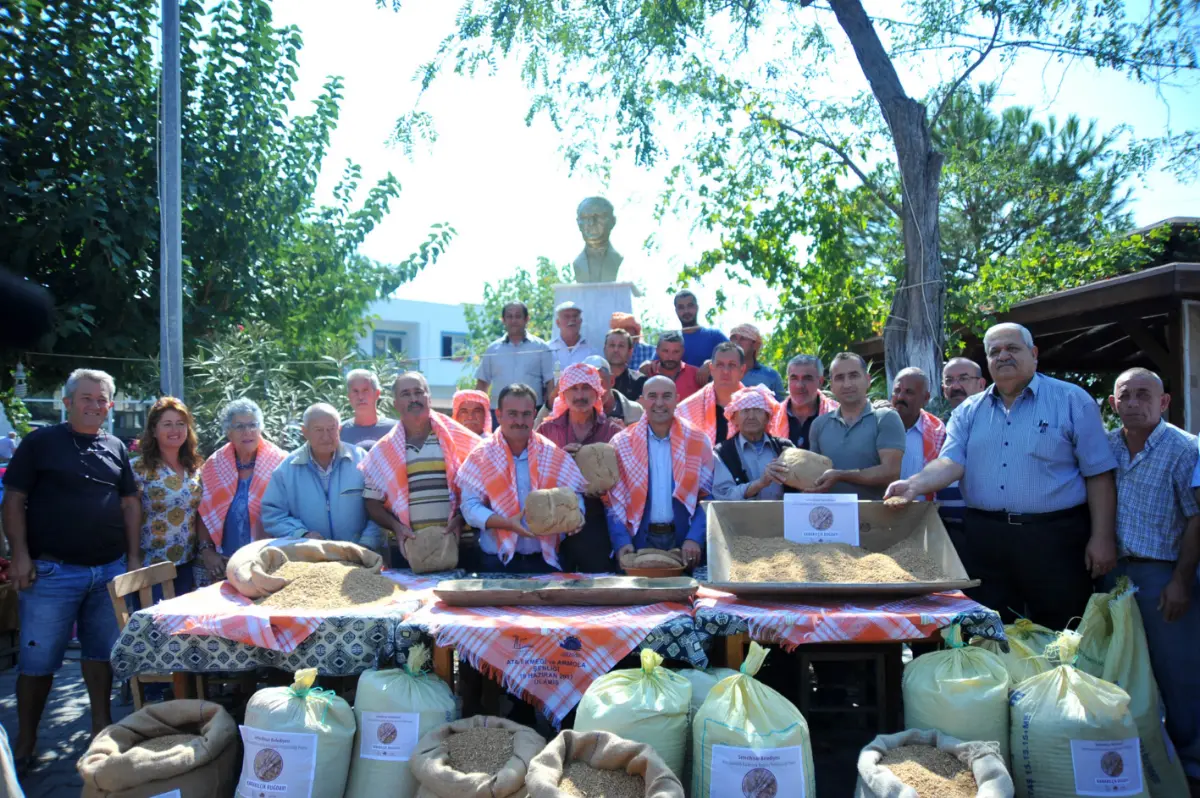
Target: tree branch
x,y
961,78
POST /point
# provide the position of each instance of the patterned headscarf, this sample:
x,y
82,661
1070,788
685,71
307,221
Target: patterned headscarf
x,y
747,331
478,397
578,374
755,396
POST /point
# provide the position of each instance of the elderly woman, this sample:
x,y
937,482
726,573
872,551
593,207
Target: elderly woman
x,y
234,480
167,472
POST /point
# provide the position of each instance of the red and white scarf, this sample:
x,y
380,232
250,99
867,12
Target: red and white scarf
x,y
691,469
933,435
700,411
219,481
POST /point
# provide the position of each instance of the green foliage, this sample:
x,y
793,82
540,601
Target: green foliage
x,y
15,411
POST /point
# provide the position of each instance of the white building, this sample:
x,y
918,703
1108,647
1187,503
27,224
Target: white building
x,y
429,335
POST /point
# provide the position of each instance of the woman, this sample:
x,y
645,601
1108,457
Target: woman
x,y
234,480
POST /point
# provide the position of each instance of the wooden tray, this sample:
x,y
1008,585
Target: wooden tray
x,y
656,573
618,591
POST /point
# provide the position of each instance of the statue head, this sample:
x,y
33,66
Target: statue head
x,y
596,220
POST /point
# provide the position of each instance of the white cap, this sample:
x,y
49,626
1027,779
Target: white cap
x,y
568,305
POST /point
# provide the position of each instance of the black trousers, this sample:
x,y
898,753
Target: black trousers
x,y
589,550
1033,571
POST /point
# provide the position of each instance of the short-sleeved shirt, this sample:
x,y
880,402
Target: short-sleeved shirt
x,y
74,484
641,354
1154,492
799,431
630,383
570,355
366,437
428,486
687,381
857,447
504,363
560,431
698,345
1032,457
169,503
767,377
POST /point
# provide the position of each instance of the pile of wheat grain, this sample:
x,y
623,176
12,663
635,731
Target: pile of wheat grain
x,y
329,586
167,742
581,780
933,773
479,750
780,560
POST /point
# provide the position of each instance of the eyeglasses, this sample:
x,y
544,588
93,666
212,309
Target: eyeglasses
x,y
246,426
958,380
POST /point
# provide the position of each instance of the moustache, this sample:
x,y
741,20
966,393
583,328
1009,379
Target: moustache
x,y
416,405
900,403
957,392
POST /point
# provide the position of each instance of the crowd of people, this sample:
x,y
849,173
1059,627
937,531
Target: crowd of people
x,y
1042,503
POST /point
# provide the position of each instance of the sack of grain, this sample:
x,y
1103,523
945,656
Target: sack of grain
x,y
702,681
600,765
1112,646
297,738
803,467
598,464
395,708
983,775
961,691
250,568
748,739
432,550
479,757
1026,649
186,746
553,511
1072,734
646,705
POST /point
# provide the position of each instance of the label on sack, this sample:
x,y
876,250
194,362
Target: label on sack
x,y
389,736
278,763
1107,767
757,773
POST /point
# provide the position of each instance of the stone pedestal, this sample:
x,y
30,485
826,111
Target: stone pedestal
x,y
598,302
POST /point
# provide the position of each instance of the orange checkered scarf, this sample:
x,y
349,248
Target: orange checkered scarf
x,y
700,410
578,374
477,397
691,469
489,470
387,462
219,481
933,435
779,420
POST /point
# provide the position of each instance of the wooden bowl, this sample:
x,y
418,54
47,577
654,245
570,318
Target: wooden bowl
x,y
656,573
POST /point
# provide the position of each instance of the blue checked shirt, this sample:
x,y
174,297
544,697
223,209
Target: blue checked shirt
x,y
1032,457
1154,492
641,353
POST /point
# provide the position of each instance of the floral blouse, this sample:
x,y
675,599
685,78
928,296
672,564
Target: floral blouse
x,y
169,504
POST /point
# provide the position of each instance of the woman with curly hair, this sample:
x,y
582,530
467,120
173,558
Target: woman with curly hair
x,y
167,471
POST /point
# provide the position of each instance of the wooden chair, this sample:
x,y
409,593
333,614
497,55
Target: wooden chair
x,y
142,582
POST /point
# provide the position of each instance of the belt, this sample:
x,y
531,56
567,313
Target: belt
x,y
1020,519
660,529
49,558
1148,560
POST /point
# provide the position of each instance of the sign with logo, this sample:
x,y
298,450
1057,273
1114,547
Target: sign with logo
x,y
749,773
277,764
388,736
1107,767
821,518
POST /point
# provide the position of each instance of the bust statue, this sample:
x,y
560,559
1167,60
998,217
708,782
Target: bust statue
x,y
599,262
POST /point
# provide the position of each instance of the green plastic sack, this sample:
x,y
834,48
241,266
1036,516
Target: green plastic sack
x,y
1025,657
1112,645
395,708
747,739
646,705
961,691
1072,734
702,681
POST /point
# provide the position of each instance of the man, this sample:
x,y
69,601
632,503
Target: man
x,y
924,432
367,426
470,408
517,358
497,477
1158,543
73,519
568,345
699,342
747,465
578,417
599,262
866,444
410,474
1037,475
618,348
670,364
8,445
750,340
666,467
617,405
642,351
705,409
316,492
805,376
961,377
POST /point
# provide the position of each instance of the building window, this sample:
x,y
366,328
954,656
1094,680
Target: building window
x,y
454,345
389,343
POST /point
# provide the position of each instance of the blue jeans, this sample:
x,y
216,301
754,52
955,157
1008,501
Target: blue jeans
x,y
60,597
1174,654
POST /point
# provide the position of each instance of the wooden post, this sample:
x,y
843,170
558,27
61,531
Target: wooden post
x,y
183,684
443,664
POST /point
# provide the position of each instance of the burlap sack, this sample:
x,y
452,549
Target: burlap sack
x,y
114,767
431,766
598,463
552,512
249,569
984,760
803,467
432,550
653,558
603,751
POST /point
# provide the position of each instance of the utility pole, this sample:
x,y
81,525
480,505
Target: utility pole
x,y
170,355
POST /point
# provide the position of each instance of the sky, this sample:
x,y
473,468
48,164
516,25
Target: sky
x,y
509,194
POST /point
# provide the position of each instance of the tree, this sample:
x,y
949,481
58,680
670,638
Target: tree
x,y
763,104
79,210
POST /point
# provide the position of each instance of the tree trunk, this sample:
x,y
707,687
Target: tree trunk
x,y
913,334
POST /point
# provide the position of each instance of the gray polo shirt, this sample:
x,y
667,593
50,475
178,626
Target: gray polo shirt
x,y
858,446
530,362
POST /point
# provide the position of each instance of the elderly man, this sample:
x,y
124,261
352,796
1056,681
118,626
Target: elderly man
x,y
617,405
747,465
73,520
1158,543
866,444
367,426
1037,475
618,346
961,378
316,492
642,351
705,409
805,376
497,477
924,432
568,345
410,473
750,340
578,417
516,358
471,409
666,468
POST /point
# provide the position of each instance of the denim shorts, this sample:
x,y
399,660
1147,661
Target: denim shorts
x,y
63,596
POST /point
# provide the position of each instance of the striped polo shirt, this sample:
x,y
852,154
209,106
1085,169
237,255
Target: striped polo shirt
x,y
428,489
